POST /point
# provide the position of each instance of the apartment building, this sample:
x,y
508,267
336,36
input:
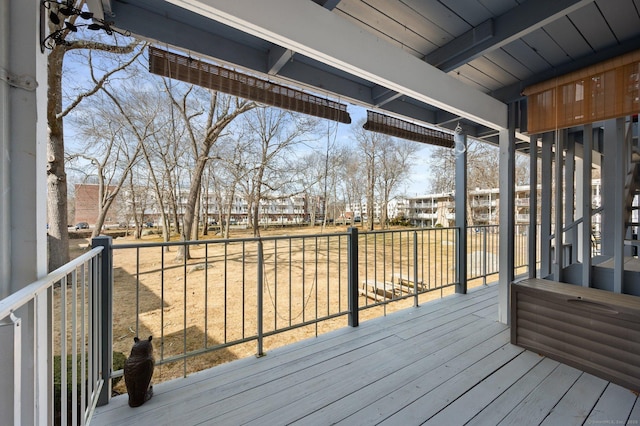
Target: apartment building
x,y
483,207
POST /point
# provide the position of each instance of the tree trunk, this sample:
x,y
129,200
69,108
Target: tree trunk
x,y
58,239
190,212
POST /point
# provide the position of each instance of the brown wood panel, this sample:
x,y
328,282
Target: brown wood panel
x,y
606,90
590,329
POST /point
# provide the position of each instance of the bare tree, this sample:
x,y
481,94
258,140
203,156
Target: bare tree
x,y
275,133
219,111
370,146
227,175
109,150
395,161
482,167
353,177
58,237
162,152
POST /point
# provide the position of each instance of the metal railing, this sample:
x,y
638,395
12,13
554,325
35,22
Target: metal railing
x,y
235,291
396,265
224,294
483,250
65,312
228,292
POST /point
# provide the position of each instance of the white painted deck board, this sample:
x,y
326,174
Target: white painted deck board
x,y
397,364
576,404
499,408
464,408
539,403
446,362
613,404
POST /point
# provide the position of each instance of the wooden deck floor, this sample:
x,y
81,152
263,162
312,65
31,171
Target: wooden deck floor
x,y
445,363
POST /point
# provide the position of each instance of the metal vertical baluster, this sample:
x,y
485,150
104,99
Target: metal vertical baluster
x,y
260,273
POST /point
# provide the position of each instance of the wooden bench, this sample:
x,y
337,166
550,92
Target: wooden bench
x,y
406,280
386,290
593,330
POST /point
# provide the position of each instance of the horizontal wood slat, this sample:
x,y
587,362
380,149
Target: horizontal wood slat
x,y
590,329
610,89
194,71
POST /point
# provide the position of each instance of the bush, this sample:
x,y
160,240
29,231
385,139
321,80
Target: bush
x,y
399,221
118,363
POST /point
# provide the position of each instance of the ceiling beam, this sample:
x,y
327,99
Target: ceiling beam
x,y
409,111
515,23
382,95
321,35
461,44
278,56
184,31
178,27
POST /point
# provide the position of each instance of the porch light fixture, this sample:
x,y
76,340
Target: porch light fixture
x,y
64,19
194,71
396,127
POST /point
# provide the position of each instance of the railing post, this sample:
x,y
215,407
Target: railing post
x,y
260,289
415,269
106,314
353,276
11,354
460,139
484,255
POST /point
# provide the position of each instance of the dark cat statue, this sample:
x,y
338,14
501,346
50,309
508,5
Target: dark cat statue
x,y
138,369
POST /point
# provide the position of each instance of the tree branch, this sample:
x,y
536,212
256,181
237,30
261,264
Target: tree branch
x,y
100,83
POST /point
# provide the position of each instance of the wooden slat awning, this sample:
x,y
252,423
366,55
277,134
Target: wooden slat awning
x,y
610,89
392,126
194,71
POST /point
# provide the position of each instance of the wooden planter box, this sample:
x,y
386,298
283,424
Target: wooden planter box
x,y
593,330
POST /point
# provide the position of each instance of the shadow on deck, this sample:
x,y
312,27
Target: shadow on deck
x,y
448,362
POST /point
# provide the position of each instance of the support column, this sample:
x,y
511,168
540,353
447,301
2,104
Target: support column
x,y
533,205
545,206
507,220
460,140
614,171
579,211
587,154
23,135
569,194
5,192
616,135
608,189
558,257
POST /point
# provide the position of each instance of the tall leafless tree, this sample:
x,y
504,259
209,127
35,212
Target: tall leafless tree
x,y
115,128
58,109
396,159
205,115
271,172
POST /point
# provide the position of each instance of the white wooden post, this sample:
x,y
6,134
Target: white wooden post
x,y
507,220
23,245
533,206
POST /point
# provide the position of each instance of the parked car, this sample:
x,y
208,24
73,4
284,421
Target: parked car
x,y
82,225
